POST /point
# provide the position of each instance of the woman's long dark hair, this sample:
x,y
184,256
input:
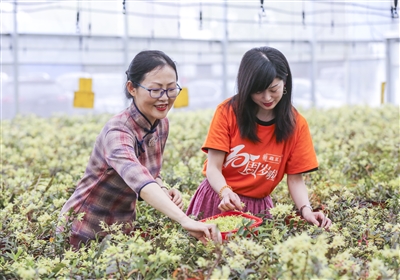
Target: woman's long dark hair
x,y
257,70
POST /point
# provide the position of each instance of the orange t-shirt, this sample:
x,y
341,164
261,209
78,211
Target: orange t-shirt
x,y
255,169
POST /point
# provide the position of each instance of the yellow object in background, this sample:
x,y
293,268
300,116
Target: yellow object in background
x,y
84,97
183,99
383,85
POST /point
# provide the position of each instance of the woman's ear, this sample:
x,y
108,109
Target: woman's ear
x,y
131,89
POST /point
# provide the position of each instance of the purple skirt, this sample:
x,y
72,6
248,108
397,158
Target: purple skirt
x,y
205,203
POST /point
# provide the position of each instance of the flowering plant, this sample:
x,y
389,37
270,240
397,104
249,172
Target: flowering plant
x,y
357,185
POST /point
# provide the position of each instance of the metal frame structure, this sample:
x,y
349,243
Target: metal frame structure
x,y
225,46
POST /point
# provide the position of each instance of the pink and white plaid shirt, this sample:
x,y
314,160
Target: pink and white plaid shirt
x,y
127,155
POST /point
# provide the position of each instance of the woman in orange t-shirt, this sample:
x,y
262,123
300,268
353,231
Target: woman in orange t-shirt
x,y
255,138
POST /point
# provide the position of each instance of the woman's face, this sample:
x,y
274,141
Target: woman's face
x,y
267,99
154,108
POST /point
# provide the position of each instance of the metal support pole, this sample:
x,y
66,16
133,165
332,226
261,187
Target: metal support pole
x,y
126,45
390,98
126,37
224,52
15,59
346,75
313,74
313,59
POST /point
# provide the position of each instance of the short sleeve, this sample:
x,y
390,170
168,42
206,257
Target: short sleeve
x,y
302,158
218,136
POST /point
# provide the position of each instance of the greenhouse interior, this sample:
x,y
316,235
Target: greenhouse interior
x,y
66,77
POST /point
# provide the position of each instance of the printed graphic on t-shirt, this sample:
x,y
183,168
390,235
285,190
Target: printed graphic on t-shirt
x,y
247,164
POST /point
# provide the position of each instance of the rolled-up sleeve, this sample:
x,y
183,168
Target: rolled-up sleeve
x,y
119,153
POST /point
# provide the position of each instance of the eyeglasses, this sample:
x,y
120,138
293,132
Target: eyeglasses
x,y
159,92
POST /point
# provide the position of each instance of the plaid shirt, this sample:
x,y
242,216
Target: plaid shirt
x,y
127,155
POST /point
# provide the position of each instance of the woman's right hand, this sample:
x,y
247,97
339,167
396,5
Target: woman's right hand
x,y
202,231
230,201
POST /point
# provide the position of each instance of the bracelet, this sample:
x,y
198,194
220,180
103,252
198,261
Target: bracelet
x,y
164,187
223,188
302,207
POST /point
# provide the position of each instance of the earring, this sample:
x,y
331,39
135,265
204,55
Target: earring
x,y
284,90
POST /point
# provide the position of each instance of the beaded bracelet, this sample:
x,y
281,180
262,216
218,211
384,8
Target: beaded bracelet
x,y
220,191
302,207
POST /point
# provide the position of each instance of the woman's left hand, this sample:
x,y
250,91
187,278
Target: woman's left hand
x,y
318,219
175,196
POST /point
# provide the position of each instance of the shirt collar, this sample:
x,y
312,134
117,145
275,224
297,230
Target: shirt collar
x,y
140,119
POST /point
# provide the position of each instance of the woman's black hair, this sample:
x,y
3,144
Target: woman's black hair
x,y
257,70
145,62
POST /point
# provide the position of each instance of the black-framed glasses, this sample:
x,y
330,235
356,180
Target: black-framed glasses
x,y
158,92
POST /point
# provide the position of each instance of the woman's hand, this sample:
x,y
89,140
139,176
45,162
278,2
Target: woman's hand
x,y
317,218
175,196
202,231
169,205
230,201
298,191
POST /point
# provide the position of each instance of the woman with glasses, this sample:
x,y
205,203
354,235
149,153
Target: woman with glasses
x,y
127,155
255,138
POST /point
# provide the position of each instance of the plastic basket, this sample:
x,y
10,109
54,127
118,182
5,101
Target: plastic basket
x,y
226,234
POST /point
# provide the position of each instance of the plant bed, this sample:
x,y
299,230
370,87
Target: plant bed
x,y
373,203
347,140
229,222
